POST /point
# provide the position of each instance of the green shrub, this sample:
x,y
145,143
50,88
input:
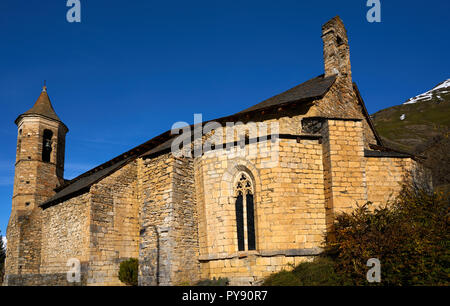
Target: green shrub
x,y
410,237
320,272
128,272
213,282
282,278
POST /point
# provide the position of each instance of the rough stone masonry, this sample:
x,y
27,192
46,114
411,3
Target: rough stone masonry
x,y
214,215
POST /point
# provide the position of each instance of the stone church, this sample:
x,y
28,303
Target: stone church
x,y
240,216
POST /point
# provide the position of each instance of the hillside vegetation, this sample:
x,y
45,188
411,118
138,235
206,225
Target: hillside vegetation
x,y
421,126
422,121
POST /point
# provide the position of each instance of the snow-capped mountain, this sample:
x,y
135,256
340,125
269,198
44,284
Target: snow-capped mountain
x,y
436,93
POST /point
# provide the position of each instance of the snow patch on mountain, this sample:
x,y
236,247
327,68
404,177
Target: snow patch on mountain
x,y
437,91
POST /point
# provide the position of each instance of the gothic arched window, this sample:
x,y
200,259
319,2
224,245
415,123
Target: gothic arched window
x,y
47,145
245,212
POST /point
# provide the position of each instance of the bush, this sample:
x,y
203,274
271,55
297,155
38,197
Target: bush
x,y
410,237
128,272
282,278
214,282
320,272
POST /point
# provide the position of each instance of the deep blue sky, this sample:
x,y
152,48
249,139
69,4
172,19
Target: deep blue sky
x,y
131,69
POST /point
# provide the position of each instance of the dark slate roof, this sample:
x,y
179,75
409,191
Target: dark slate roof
x,y
42,107
82,184
383,151
315,88
370,153
312,89
87,179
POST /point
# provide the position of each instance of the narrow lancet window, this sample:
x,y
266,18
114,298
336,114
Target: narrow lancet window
x,y
240,222
250,222
245,213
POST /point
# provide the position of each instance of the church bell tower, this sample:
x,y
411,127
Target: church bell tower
x,y
40,154
39,169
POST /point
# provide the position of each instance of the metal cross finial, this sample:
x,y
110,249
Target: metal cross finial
x,y
45,86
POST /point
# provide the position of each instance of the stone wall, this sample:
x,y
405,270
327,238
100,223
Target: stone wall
x,y
12,250
289,208
99,228
345,181
65,234
185,264
384,177
24,242
168,252
54,279
155,218
114,225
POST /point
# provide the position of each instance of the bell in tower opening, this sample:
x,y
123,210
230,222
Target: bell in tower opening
x,y
47,146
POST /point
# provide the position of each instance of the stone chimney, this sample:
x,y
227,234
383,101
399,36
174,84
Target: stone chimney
x,y
336,52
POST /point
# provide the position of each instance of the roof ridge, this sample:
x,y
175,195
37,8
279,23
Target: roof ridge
x,y
316,87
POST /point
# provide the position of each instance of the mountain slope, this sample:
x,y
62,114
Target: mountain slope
x,y
407,126
421,126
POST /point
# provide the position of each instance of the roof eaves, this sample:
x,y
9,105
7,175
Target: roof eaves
x,y
366,114
39,115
